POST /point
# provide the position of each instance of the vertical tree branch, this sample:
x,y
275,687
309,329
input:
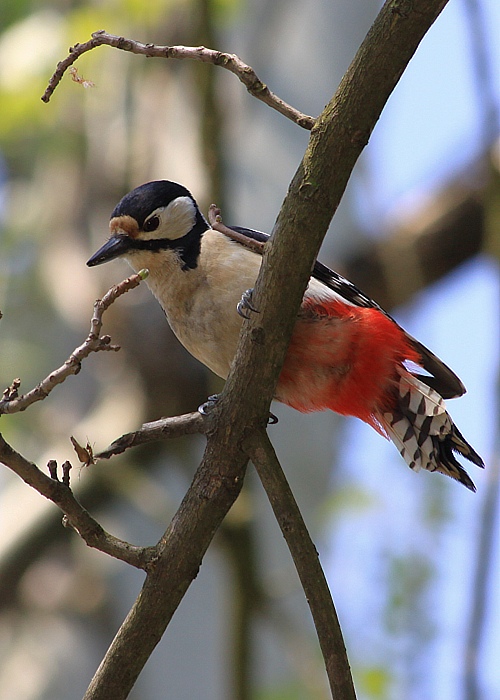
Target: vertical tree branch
x,y
212,113
238,536
482,63
483,570
239,539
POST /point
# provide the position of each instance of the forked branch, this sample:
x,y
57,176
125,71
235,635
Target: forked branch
x,y
342,131
76,516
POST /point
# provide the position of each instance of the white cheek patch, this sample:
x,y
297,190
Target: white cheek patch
x,y
176,220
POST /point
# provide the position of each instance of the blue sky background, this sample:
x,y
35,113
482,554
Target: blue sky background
x,y
432,124
432,127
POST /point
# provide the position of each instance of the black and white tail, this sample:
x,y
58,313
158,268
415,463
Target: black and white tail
x,y
425,434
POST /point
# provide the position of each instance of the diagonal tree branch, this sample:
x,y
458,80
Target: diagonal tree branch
x,y
230,61
215,487
306,559
163,429
423,247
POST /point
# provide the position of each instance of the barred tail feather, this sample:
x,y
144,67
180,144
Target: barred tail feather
x,y
424,432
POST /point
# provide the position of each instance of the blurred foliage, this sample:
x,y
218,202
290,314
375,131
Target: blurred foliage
x,y
408,578
374,682
284,692
65,165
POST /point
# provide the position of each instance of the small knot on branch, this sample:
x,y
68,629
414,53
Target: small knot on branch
x,y
12,391
66,468
52,467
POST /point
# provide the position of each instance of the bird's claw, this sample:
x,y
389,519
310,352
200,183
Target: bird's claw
x,y
209,404
245,305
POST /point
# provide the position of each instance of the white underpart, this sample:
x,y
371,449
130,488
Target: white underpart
x,y
200,304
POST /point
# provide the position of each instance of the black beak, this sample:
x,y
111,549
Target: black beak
x,y
113,248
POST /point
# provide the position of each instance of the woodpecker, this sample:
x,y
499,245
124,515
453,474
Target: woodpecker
x,y
346,353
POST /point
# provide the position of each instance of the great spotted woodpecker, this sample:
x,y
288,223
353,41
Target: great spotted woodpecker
x,y
346,354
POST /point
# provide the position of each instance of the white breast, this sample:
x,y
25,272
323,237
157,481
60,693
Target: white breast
x,y
200,304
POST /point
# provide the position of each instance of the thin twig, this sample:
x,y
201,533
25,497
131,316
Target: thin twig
x,y
12,403
306,559
230,61
77,517
215,221
163,429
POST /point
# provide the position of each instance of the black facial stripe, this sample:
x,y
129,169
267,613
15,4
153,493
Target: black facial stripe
x,y
187,246
155,244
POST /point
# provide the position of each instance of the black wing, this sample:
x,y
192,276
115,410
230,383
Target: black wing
x,y
442,379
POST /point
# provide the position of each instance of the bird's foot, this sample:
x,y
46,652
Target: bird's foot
x,y
245,304
272,420
209,405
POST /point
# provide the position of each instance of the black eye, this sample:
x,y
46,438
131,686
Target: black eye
x,y
151,224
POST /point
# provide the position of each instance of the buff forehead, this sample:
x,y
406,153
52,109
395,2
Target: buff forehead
x,y
124,224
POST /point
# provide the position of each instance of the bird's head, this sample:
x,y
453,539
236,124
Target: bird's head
x,y
157,216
